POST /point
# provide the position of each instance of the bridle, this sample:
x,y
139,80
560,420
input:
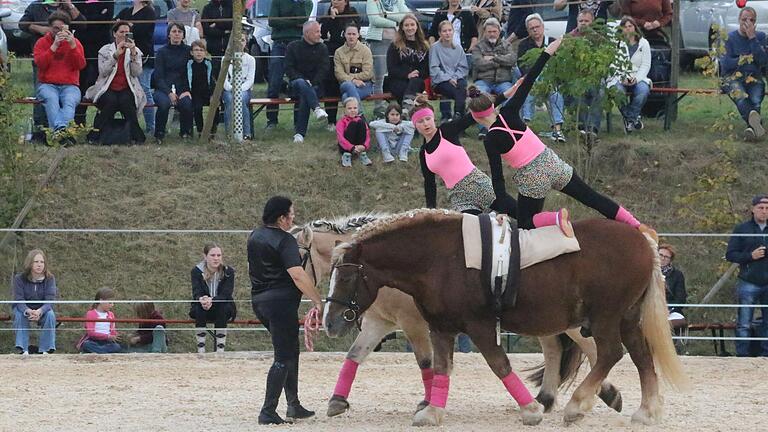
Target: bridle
x,y
352,312
307,259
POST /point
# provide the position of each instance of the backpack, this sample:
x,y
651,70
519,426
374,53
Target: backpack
x,y
661,65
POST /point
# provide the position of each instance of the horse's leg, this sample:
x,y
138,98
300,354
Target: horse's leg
x,y
373,328
432,415
484,338
553,353
417,332
608,392
650,410
609,352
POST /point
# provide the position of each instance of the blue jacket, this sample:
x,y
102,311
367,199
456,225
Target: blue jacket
x,y
24,289
171,68
737,46
740,252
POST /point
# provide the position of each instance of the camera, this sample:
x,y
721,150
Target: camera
x,y
129,37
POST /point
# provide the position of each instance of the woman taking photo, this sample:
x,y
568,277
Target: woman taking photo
x,y
277,283
143,30
171,83
33,287
407,62
213,285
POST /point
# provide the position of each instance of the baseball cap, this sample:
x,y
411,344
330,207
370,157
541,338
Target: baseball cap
x,y
760,199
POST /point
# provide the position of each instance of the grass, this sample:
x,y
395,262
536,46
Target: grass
x,y
224,186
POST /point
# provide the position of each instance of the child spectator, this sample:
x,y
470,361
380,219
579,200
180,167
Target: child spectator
x,y
201,82
353,134
151,336
393,134
213,284
246,78
448,69
35,285
101,336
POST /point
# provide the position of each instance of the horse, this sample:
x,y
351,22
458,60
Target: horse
x,y
394,310
613,285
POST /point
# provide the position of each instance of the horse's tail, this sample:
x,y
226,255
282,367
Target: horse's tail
x,y
656,328
570,362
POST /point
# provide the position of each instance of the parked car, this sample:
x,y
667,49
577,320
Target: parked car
x,y
700,19
161,26
4,13
18,41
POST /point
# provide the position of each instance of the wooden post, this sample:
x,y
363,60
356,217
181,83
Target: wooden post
x,y
675,75
720,283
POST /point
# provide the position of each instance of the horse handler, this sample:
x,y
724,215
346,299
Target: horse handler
x,y
277,283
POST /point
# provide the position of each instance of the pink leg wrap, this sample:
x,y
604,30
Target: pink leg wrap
x,y
544,219
346,377
427,376
624,216
517,389
440,384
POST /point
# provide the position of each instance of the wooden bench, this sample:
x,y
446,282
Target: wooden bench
x,y
718,331
675,95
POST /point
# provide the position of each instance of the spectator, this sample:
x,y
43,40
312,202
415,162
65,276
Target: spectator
x,y
277,283
484,9
189,18
353,66
393,134
101,337
555,103
383,19
171,83
407,62
598,8
463,23
150,338
591,112
201,82
674,278
517,25
245,82
99,14
651,16
493,59
752,288
332,29
217,25
35,284
213,287
637,49
143,31
448,70
353,134
286,18
59,58
306,68
741,69
117,88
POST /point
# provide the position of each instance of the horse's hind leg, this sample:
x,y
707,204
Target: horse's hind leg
x,y
417,332
650,410
608,392
553,353
432,415
373,328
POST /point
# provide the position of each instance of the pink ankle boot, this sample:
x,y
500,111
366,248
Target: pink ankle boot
x,y
560,218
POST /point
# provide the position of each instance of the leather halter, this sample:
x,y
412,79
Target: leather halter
x,y
352,312
307,259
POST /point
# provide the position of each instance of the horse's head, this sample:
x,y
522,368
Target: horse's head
x,y
350,291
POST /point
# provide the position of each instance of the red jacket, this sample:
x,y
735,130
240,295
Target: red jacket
x,y
60,67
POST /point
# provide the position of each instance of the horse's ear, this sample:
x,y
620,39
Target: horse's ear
x,y
307,234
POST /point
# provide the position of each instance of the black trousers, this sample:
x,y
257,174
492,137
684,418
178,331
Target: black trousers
x,y
197,111
88,76
355,133
401,88
281,319
112,102
219,314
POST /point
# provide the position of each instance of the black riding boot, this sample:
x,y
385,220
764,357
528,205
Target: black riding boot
x,y
295,410
275,384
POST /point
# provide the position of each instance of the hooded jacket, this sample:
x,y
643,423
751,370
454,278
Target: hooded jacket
x,y
61,67
35,293
108,69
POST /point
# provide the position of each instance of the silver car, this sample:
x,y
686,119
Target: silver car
x,y
699,21
4,13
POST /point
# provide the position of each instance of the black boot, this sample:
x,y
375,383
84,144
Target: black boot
x,y
275,384
295,410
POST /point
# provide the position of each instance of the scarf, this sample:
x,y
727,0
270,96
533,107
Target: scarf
x,y
667,269
388,5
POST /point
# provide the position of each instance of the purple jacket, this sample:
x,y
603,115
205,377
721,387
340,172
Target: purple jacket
x,y
33,293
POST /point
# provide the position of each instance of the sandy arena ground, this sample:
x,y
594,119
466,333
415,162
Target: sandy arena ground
x,y
224,393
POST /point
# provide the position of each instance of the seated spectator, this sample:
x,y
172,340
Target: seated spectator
x,y
462,22
555,103
752,288
742,79
353,66
171,84
150,338
245,82
185,15
674,279
384,17
493,59
34,285
213,285
101,337
118,88
95,35
408,62
332,29
59,58
306,67
591,112
517,26
201,82
448,69
393,134
651,17
598,9
353,134
638,51
484,9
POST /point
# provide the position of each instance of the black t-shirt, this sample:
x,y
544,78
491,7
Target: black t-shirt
x,y
271,252
143,32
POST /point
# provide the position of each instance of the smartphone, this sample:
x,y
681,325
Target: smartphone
x,y
129,36
65,27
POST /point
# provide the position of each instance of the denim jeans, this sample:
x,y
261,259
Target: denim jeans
x,y
379,51
100,347
463,343
47,324
591,109
349,89
159,343
750,294
495,89
59,102
38,111
555,105
245,99
746,96
640,92
183,106
276,72
308,101
149,113
402,147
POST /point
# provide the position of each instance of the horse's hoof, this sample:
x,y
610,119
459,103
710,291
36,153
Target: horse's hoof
x,y
570,418
611,396
423,404
547,400
429,416
532,413
645,417
337,405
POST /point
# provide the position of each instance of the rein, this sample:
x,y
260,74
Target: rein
x,y
352,312
307,259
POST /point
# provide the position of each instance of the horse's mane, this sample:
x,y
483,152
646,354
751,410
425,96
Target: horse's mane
x,y
345,224
400,220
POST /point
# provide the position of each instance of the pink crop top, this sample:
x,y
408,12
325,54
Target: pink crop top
x,y
525,149
449,161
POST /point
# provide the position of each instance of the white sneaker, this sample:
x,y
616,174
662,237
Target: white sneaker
x,y
298,139
755,122
331,127
320,114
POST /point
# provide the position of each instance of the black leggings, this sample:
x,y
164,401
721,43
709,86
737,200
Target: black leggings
x,y
400,88
281,318
355,133
219,314
576,188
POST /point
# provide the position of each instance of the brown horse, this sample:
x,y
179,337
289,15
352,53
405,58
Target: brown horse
x,y
614,285
394,310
